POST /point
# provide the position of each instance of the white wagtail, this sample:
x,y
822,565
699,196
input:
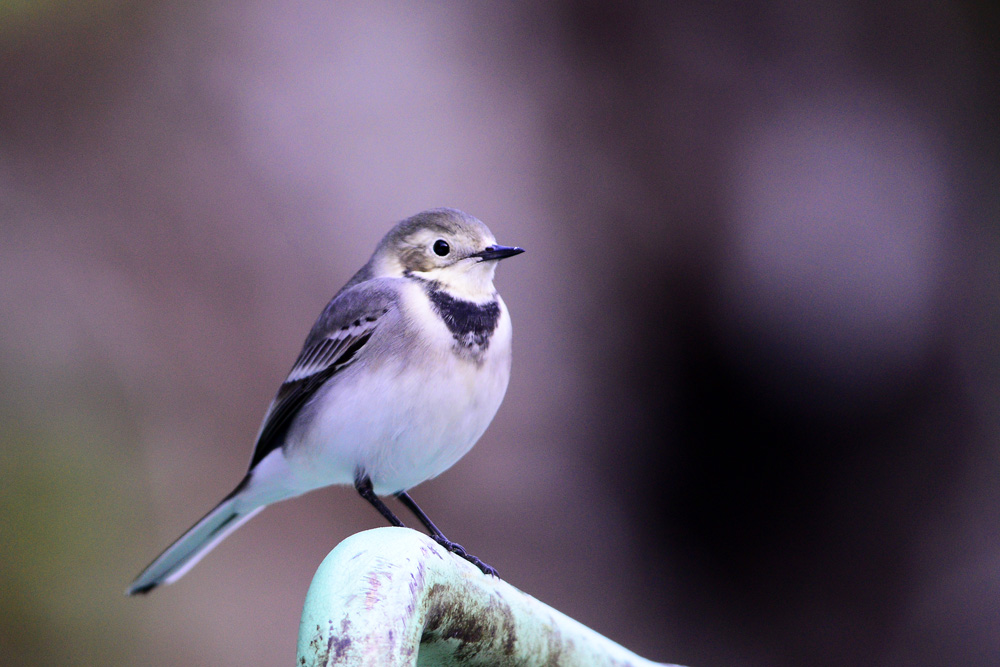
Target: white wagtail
x,y
399,377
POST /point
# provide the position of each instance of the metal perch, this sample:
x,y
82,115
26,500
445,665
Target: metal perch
x,y
391,597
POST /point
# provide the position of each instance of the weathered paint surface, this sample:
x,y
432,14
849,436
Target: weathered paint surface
x,y
391,597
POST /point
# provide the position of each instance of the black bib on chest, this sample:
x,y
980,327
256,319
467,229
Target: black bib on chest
x,y
471,324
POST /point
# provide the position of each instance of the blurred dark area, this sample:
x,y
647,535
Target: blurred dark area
x,y
754,417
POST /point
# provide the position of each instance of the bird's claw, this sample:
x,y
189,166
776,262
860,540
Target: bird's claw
x,y
460,551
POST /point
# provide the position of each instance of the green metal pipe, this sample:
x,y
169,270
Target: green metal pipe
x,y
391,597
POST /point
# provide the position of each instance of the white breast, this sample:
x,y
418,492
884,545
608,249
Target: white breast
x,y
407,410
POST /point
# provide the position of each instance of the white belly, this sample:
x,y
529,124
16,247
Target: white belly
x,y
401,418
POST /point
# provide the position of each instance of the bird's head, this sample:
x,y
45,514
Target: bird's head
x,y
444,246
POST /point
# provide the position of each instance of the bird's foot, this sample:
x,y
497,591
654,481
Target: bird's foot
x,y
459,550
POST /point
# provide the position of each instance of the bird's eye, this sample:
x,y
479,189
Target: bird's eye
x,y
441,248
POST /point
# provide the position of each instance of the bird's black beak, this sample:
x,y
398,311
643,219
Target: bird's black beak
x,y
497,252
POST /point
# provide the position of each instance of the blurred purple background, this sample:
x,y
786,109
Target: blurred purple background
x,y
753,418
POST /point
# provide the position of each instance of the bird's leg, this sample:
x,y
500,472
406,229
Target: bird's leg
x,y
439,537
363,484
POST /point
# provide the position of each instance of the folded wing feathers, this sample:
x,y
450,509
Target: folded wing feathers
x,y
315,365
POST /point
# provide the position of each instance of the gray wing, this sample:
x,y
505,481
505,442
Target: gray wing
x,y
336,340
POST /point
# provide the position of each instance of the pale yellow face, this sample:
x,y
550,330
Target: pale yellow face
x,y
432,248
439,247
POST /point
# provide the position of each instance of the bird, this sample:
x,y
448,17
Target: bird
x,y
401,374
